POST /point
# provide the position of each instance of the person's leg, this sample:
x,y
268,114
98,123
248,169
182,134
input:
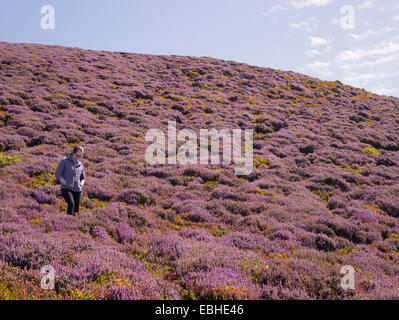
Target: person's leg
x,y
76,198
67,194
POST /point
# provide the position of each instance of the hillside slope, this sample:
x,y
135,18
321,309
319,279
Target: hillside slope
x,y
324,191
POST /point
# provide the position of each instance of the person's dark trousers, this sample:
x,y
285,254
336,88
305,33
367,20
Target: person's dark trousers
x,y
73,200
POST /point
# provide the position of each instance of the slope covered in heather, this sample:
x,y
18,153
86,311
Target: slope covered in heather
x,y
324,191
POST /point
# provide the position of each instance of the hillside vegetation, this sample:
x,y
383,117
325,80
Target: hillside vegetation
x,y
324,191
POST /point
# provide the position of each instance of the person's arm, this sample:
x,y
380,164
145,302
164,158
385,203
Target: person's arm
x,y
62,180
82,177
59,171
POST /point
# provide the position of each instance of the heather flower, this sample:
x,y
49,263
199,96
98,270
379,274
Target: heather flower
x,y
196,234
219,284
137,196
323,192
43,195
100,232
169,247
125,233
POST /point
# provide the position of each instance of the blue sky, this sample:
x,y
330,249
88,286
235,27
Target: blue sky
x,y
313,37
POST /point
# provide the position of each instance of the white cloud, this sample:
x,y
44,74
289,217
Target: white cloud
x,y
317,65
361,37
318,69
318,41
366,5
359,78
382,90
274,9
300,4
371,32
386,29
308,24
383,48
363,78
369,63
312,53
396,18
326,74
298,25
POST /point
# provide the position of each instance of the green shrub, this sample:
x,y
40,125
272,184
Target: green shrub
x,y
371,150
324,195
8,160
258,162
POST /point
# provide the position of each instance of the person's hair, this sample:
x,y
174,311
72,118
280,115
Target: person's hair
x,y
76,149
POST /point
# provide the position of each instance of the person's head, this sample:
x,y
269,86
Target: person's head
x,y
77,152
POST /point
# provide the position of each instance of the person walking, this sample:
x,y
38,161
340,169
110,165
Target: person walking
x,y
70,172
